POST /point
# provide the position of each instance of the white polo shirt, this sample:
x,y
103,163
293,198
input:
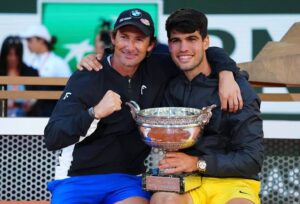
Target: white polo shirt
x,y
49,65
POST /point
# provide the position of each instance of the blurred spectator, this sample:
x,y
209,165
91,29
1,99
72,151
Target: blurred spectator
x,y
103,42
41,44
11,64
48,64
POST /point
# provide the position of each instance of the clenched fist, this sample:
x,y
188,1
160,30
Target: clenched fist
x,y
110,103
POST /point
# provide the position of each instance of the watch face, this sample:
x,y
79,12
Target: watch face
x,y
201,165
92,112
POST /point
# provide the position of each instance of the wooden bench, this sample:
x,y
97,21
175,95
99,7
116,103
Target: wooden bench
x,y
29,94
36,94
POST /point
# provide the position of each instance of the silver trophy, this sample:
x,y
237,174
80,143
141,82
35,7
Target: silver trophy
x,y
170,129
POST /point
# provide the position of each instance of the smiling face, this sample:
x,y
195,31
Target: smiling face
x,y
188,51
130,48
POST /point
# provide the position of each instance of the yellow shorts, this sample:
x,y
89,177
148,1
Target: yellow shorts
x,y
222,190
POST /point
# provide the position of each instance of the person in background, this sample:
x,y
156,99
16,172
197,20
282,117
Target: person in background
x,y
229,154
40,44
103,42
11,64
102,155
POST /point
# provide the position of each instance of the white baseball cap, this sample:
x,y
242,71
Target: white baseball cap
x,y
37,31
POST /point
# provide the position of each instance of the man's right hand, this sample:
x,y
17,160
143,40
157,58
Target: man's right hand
x,y
90,62
110,103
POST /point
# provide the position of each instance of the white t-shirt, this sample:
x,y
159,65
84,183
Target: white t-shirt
x,y
49,65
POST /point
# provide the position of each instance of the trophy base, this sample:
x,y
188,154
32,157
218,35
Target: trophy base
x,y
180,183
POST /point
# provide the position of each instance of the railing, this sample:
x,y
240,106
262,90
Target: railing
x,y
28,94
56,81
36,94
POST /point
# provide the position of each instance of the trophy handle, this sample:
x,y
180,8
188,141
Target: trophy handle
x,y
134,108
205,115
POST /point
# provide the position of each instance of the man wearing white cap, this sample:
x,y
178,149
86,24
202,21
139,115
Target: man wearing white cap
x,y
48,64
40,44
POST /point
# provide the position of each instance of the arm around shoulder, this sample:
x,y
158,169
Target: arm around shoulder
x,y
220,60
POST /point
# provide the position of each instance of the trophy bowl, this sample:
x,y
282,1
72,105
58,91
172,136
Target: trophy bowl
x,y
170,129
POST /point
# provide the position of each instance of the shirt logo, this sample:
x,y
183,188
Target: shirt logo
x,y
242,192
142,88
67,95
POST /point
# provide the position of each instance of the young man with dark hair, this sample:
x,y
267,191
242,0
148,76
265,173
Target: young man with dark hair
x,y
102,154
229,153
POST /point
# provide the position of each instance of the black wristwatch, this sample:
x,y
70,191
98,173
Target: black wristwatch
x,y
92,112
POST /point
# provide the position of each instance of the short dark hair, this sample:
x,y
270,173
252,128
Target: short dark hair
x,y
187,21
